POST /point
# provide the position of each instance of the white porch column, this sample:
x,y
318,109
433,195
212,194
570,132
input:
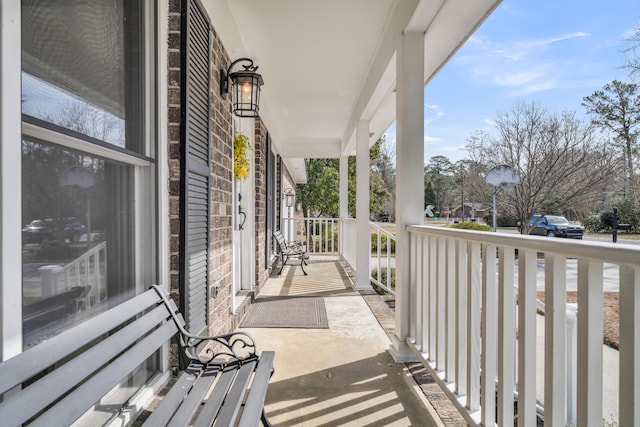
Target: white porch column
x,y
10,172
363,235
343,207
409,174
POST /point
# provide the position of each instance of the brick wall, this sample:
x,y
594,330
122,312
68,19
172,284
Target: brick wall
x,y
221,192
260,166
221,202
173,125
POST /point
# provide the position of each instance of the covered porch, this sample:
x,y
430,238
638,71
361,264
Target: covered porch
x,y
342,374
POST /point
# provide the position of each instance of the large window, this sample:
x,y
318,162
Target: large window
x,y
87,164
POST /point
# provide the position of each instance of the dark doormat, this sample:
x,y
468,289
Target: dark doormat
x,y
287,312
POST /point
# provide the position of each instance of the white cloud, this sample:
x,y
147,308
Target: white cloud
x,y
432,113
431,139
523,66
490,122
553,39
539,86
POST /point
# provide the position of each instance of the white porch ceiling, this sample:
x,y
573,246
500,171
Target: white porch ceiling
x,y
327,64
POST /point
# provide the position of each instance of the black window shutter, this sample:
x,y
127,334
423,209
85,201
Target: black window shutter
x,y
270,172
194,262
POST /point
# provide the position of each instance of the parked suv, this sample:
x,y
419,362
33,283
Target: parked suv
x,y
554,226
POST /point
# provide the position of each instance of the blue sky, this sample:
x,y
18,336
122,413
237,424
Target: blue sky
x,y
553,52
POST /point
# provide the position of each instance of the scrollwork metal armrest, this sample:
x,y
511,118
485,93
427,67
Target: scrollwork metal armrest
x,y
298,246
237,347
233,348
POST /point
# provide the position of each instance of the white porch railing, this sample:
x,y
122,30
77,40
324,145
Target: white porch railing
x,y
319,234
477,338
383,259
89,269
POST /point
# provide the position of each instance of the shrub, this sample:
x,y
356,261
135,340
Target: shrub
x,y
506,221
471,226
383,243
383,279
606,220
592,224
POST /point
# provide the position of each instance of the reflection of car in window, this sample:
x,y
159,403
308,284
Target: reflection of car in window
x,y
46,230
554,226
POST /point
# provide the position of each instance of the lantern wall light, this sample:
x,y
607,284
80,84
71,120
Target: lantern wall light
x,y
245,87
289,197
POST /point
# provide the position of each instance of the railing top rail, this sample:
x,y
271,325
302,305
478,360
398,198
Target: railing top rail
x,y
602,251
381,230
320,218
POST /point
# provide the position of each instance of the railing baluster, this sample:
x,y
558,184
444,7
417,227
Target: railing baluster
x,y
378,254
423,316
461,318
326,235
590,320
450,372
629,346
474,297
526,338
415,288
555,382
432,285
440,303
489,337
506,336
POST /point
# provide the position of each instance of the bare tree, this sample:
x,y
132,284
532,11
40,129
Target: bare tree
x,y
632,53
563,165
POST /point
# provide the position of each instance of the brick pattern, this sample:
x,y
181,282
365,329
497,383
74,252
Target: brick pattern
x,y
221,203
221,193
173,129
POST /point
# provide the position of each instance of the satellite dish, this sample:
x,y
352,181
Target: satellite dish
x,y
503,175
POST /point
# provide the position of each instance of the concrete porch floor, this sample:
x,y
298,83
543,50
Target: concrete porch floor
x,y
339,376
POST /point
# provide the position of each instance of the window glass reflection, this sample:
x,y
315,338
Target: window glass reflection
x,y
52,104
82,68
77,239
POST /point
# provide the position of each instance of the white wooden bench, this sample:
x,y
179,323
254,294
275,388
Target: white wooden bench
x,y
57,381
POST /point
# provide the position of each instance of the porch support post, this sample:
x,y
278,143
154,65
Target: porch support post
x,y
344,197
10,172
363,234
409,175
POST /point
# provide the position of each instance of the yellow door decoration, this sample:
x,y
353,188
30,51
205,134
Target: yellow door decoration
x,y
241,147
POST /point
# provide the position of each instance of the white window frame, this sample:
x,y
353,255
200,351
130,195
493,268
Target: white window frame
x,y
10,171
151,207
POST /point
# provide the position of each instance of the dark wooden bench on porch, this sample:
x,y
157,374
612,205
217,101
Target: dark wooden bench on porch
x,y
57,381
288,250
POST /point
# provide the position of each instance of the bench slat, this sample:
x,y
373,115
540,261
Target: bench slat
x,y
43,392
193,401
23,366
254,405
233,401
73,405
73,371
174,397
216,399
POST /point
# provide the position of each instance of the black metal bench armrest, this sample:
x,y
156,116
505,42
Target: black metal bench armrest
x,y
220,350
236,347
